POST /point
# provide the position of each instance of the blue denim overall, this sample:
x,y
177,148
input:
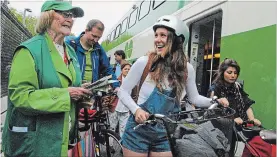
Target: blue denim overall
x,y
148,137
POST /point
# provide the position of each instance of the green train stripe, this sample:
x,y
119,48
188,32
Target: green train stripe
x,y
255,51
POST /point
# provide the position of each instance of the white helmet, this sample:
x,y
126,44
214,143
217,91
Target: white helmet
x,y
172,22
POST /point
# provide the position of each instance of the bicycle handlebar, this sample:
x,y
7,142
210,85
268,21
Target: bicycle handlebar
x,y
153,119
206,112
215,102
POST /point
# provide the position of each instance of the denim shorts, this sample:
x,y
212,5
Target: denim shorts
x,y
145,138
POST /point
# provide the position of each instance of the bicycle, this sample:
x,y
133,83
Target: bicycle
x,y
188,120
248,130
106,143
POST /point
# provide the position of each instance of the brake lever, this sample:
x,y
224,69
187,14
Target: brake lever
x,y
151,120
145,123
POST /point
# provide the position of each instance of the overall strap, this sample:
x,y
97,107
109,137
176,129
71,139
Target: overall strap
x,y
145,73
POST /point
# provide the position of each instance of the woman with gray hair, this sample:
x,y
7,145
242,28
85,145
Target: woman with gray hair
x,y
44,88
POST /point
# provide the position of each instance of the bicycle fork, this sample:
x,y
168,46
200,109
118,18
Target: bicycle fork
x,y
172,142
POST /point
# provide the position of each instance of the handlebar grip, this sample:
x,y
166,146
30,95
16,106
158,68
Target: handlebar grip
x,y
213,106
215,102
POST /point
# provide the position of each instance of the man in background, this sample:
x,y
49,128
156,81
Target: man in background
x,y
120,60
92,58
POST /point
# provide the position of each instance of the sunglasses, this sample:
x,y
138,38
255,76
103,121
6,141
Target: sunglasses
x,y
66,14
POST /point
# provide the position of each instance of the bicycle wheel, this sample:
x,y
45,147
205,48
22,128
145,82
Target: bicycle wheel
x,y
115,148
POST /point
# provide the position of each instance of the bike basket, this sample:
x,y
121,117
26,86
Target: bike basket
x,y
203,132
201,140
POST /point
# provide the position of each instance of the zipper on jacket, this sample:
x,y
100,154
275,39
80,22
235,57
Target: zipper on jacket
x,y
83,64
93,63
95,51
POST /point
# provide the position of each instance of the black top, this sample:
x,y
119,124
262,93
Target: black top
x,y
237,97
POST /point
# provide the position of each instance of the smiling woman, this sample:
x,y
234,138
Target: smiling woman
x,y
167,78
44,88
61,25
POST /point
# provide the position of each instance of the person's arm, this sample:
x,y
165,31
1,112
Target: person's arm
x,y
191,90
106,67
24,90
130,81
250,114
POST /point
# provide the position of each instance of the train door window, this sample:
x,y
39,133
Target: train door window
x,y
109,38
112,35
144,9
133,17
117,31
204,49
157,3
124,25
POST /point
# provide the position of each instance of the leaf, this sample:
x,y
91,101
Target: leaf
x,y
30,21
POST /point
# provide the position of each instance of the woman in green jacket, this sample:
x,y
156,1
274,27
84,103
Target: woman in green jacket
x,y
44,88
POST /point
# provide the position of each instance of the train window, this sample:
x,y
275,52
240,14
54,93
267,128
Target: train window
x,y
108,38
124,25
133,18
117,31
157,3
112,35
144,9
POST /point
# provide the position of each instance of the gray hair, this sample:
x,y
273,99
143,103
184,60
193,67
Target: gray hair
x,y
44,21
95,23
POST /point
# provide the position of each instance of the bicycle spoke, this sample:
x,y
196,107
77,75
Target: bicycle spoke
x,y
114,147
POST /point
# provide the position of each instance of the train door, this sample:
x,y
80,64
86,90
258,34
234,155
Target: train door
x,y
204,51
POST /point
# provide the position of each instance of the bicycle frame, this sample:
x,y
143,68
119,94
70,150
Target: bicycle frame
x,y
247,130
100,121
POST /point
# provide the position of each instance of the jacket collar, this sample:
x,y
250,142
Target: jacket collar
x,y
57,60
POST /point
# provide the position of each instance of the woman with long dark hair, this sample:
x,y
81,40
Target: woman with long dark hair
x,y
169,78
225,85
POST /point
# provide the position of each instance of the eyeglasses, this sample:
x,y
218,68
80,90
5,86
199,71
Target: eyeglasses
x,y
66,14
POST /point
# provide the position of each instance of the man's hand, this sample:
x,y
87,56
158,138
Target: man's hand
x,y
85,85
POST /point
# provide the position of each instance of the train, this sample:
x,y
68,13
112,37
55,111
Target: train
x,y
242,30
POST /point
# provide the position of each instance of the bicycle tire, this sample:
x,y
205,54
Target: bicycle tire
x,y
116,149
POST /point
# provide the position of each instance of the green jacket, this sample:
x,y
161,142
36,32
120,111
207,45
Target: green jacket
x,y
39,100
